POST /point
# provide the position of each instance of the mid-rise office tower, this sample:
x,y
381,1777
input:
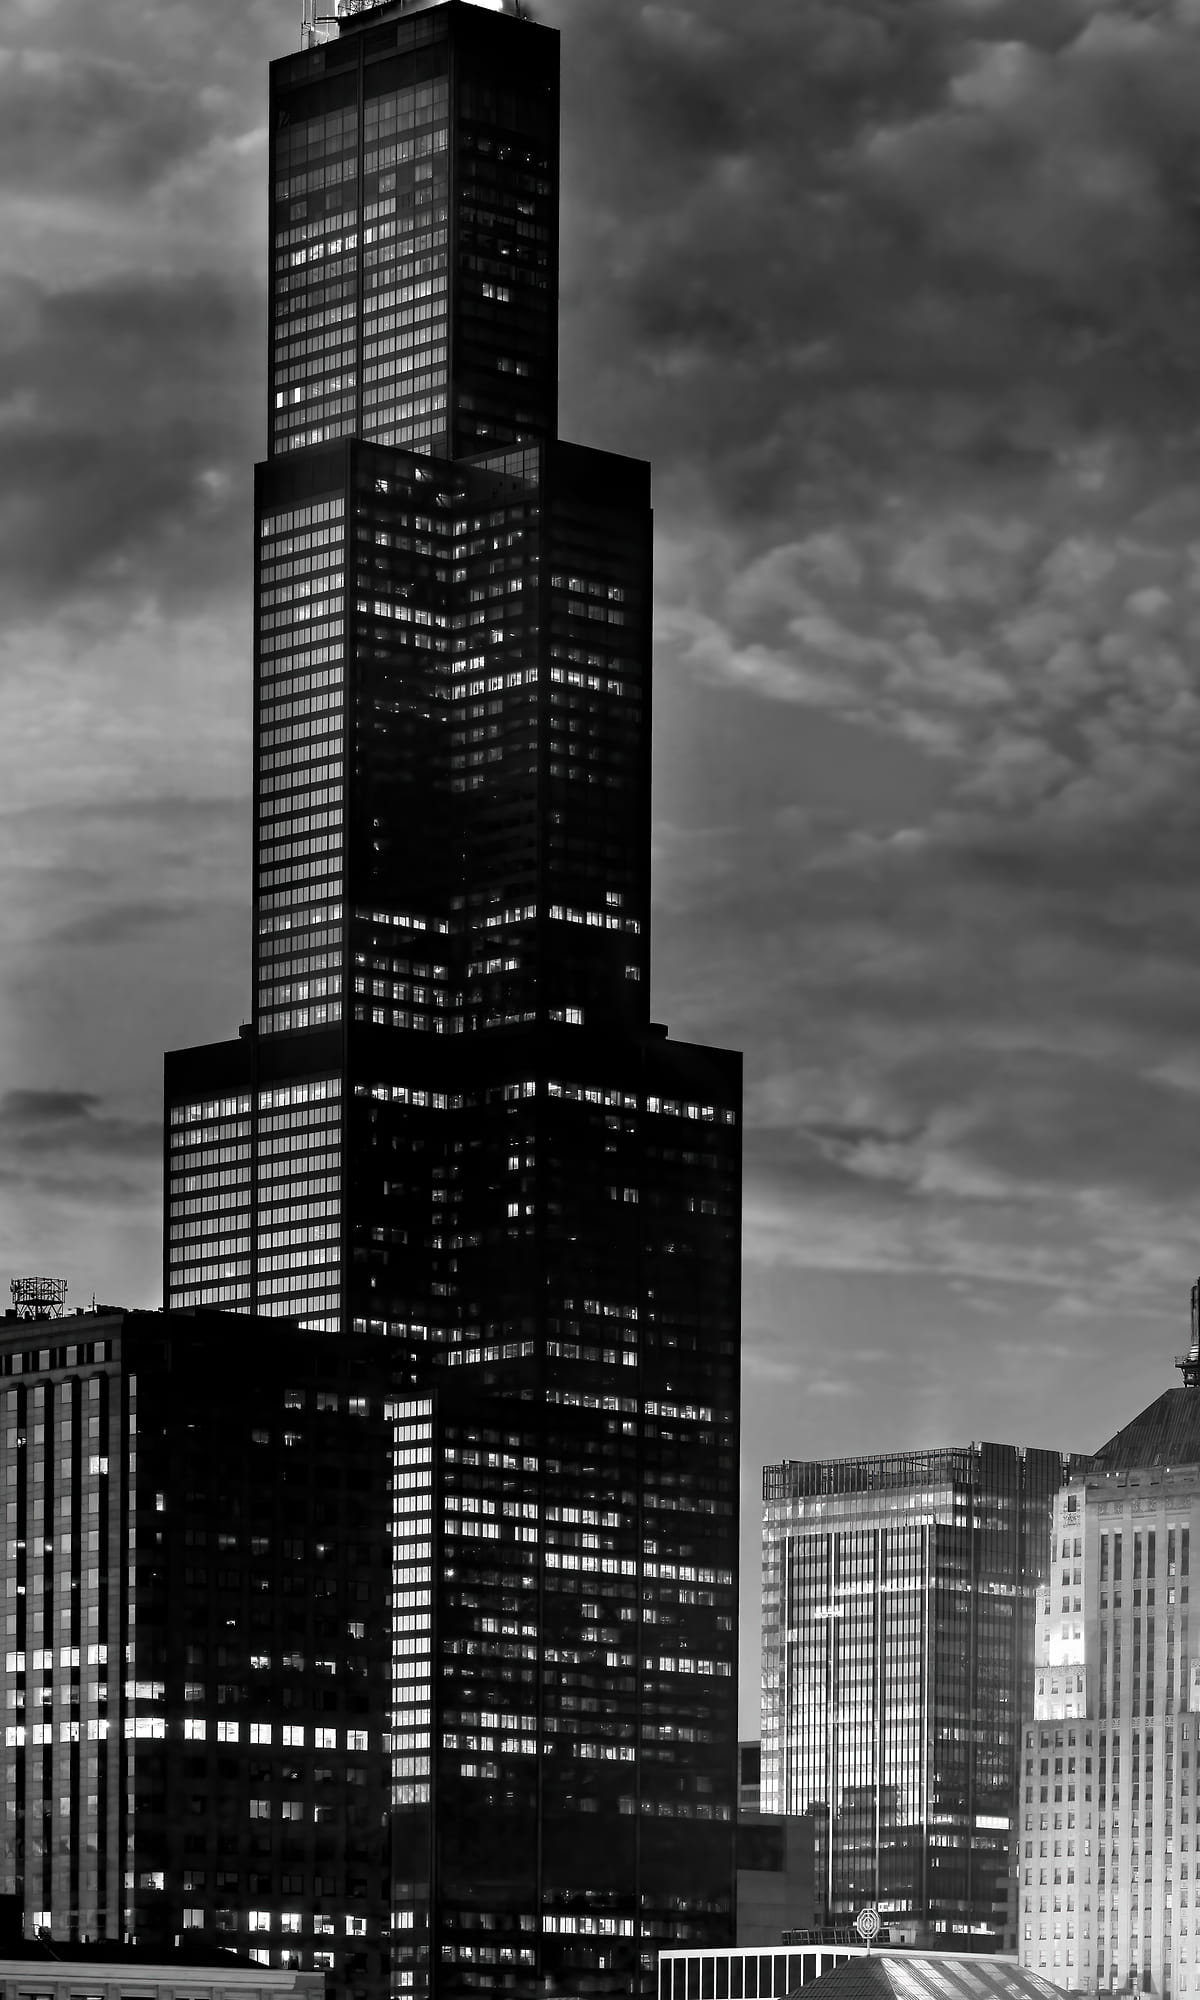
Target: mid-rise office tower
x,y
195,1574
1109,1845
450,1122
898,1644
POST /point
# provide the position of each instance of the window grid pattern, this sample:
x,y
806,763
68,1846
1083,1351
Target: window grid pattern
x,y
1108,1858
898,1645
298,1203
209,1181
315,258
300,760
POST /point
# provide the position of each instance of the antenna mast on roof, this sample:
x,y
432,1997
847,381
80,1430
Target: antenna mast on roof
x,y
315,27
1189,1364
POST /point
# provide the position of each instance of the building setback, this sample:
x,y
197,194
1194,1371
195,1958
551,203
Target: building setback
x,y
1109,1845
898,1640
450,1123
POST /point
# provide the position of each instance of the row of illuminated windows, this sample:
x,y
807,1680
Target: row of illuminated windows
x,y
297,1169
315,418
295,658
283,991
418,375
201,1256
292,520
400,152
207,1233
188,1154
289,1735
212,1295
214,1107
224,1177
316,762
289,1131
321,226
227,1206
315,178
300,570
425,343
326,384
316,1014
309,810
309,965
321,871
185,1140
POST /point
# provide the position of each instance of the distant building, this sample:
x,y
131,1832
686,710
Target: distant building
x,y
749,1777
774,1876
898,1642
1109,1858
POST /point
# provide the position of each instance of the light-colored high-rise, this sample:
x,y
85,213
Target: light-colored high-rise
x,y
1109,1847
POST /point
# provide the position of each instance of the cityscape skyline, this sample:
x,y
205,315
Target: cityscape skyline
x,y
904,1208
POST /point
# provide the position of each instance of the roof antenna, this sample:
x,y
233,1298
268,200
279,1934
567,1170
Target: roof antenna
x,y
1189,1364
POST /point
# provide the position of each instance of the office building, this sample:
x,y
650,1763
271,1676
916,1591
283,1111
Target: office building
x,y
774,1876
250,1644
196,1672
1109,1846
898,1645
450,1123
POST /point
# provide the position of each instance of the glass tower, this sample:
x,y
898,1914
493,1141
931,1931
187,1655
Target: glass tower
x,y
450,1122
898,1645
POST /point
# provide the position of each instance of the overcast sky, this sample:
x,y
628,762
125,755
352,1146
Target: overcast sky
x,y
901,298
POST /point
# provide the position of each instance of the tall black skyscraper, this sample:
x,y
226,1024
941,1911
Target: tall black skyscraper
x,y
451,1122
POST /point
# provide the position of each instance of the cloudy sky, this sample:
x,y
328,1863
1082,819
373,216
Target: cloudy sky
x,y
902,297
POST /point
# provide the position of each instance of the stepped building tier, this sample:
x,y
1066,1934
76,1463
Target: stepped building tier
x,y
450,1122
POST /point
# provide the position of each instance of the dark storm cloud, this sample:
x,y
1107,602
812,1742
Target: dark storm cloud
x,y
123,441
97,129
904,303
66,1136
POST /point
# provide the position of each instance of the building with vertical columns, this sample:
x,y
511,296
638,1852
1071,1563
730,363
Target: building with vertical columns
x,y
450,1124
1109,1846
898,1641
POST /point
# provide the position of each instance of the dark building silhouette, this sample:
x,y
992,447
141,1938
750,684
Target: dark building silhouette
x,y
450,1123
196,1578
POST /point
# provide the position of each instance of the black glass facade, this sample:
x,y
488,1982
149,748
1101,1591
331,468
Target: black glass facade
x,y
195,1695
899,1599
451,1123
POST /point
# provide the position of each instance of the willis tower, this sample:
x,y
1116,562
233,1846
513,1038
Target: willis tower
x,y
451,1123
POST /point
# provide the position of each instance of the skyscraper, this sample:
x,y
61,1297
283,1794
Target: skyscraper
x,y
1109,1844
898,1623
195,1573
451,1122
